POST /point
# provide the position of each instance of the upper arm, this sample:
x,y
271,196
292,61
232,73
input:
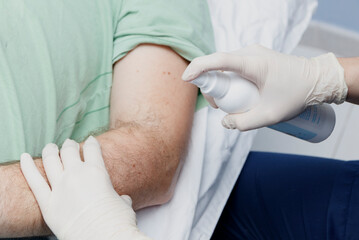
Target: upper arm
x,y
148,90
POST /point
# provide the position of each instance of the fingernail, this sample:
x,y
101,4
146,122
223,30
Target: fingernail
x,y
224,123
25,156
91,139
228,123
67,142
187,75
50,149
70,143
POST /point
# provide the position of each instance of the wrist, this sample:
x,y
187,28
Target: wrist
x,y
329,82
351,75
17,201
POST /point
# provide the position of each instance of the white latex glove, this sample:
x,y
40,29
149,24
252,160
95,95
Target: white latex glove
x,y
81,202
287,84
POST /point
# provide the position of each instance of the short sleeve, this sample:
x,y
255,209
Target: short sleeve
x,y
183,25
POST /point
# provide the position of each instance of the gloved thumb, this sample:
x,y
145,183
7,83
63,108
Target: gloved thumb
x,y
217,61
253,119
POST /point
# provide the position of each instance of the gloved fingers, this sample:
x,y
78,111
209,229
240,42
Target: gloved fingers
x,y
52,163
127,200
253,119
252,68
210,100
92,152
70,154
36,182
216,61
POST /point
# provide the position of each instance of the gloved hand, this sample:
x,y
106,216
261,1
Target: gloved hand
x,y
81,202
287,84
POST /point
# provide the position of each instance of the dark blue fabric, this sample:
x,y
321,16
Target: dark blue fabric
x,y
280,196
27,238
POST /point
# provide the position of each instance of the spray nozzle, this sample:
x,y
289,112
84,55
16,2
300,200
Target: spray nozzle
x,y
215,84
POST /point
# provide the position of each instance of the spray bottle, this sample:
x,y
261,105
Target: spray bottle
x,y
233,94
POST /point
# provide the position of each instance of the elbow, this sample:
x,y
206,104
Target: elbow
x,y
169,165
165,197
146,166
168,178
167,192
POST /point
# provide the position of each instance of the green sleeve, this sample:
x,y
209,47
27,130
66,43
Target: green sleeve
x,y
183,25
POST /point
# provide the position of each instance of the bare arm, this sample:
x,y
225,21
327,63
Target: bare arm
x,y
351,69
151,116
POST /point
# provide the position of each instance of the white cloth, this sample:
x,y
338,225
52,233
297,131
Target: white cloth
x,y
216,155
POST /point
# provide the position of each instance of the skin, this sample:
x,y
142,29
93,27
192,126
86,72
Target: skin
x,y
351,72
143,149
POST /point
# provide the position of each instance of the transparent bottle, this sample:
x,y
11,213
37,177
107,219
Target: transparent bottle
x,y
233,94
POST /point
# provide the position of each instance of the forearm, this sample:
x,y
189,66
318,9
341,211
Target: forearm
x,y
351,71
140,162
19,213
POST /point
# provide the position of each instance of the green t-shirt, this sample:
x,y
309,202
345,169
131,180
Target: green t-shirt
x,y
56,61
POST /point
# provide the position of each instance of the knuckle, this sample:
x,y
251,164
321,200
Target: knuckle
x,y
242,125
238,124
241,128
221,56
